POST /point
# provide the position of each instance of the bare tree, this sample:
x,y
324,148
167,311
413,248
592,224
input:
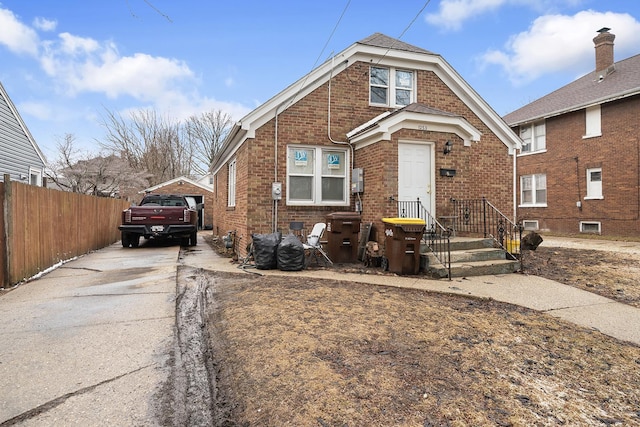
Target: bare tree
x,y
107,176
151,143
206,133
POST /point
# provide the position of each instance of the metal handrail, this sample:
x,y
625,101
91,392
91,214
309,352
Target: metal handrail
x,y
437,237
479,216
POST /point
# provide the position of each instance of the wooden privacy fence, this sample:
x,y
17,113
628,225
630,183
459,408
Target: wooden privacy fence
x,y
40,227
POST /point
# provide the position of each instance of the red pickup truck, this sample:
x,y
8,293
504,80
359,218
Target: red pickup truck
x,y
160,216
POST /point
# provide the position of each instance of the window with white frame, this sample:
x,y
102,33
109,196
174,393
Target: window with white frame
x,y
533,137
530,225
317,176
35,177
590,227
533,190
593,122
594,183
231,187
391,87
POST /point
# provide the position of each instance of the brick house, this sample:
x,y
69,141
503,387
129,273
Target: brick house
x,y
579,166
382,110
188,187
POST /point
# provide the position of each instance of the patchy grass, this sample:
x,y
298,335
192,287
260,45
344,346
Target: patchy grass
x,y
308,352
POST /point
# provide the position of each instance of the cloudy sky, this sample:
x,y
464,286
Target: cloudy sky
x,y
64,64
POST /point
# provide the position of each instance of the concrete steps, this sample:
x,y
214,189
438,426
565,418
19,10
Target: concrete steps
x,y
469,257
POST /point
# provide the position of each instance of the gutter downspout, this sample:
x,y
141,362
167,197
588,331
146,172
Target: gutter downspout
x,y
329,124
515,186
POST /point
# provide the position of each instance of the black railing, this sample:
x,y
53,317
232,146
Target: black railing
x,y
479,216
435,236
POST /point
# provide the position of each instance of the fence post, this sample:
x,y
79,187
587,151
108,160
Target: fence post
x,y
8,225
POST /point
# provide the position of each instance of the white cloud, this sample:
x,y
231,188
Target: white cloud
x,y
45,24
85,65
16,36
556,43
452,13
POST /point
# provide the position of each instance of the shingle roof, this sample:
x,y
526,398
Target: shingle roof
x,y
386,42
587,90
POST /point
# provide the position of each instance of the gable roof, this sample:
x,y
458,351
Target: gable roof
x,y
382,50
413,116
13,130
173,181
622,80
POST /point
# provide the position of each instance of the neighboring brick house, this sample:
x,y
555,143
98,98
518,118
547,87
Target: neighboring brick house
x,y
579,167
377,104
20,156
187,187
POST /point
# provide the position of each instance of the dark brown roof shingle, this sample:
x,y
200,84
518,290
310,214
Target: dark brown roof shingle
x,y
583,92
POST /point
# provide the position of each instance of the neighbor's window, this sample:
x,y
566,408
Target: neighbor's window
x,y
316,176
231,188
383,92
35,177
590,227
533,190
593,122
533,137
594,184
530,225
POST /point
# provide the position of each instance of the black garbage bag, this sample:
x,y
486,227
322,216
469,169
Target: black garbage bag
x,y
290,253
265,248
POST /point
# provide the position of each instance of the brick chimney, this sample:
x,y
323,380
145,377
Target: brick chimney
x,y
604,49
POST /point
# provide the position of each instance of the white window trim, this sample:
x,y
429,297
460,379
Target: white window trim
x,y
391,87
536,225
593,116
533,205
231,184
317,178
598,223
38,174
592,197
532,129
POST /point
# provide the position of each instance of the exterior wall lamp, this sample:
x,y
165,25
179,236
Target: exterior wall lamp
x,y
448,146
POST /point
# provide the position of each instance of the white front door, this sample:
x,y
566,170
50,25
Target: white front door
x,y
415,174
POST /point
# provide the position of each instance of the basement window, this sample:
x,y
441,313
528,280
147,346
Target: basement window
x,y
590,227
530,225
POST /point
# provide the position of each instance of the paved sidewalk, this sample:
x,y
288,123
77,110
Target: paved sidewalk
x,y
572,304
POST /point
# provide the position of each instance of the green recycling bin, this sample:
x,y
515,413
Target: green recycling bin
x,y
342,233
402,244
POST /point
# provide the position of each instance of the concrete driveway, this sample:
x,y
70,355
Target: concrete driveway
x,y
88,344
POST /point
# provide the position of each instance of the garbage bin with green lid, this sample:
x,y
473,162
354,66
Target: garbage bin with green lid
x,y
402,244
342,236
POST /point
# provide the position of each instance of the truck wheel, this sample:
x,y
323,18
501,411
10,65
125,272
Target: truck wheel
x,y
125,240
135,240
193,240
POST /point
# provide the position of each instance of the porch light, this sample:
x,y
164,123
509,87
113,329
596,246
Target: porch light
x,y
448,146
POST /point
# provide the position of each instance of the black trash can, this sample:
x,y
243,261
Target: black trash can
x,y
342,231
402,244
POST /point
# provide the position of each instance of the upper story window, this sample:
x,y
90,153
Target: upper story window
x,y
594,184
231,188
592,122
533,190
391,87
317,176
533,137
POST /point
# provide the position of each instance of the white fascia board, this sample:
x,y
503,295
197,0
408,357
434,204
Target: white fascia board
x,y
429,122
173,181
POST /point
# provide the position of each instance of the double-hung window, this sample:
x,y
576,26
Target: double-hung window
x,y
593,125
317,176
594,183
533,137
231,188
533,190
391,87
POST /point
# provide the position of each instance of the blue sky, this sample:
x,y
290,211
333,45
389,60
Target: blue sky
x,y
65,63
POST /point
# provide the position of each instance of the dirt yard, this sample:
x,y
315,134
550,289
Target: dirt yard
x,y
304,352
